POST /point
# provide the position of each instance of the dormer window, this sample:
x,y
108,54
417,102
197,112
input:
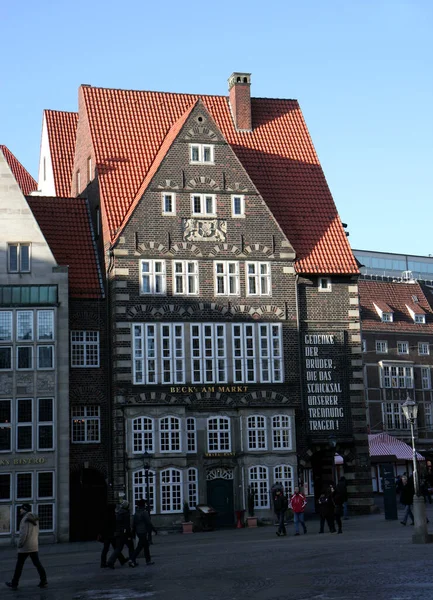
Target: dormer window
x,y
384,311
202,153
420,319
416,312
387,317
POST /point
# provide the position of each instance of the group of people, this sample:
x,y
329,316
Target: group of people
x,y
119,530
332,505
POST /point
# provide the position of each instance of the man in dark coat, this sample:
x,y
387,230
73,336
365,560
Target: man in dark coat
x,y
106,535
342,490
406,498
142,526
280,506
122,533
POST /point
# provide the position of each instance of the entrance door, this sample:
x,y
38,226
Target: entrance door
x,y
220,497
88,499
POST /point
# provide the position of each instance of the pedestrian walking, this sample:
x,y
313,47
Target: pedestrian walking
x,y
28,545
142,526
280,507
106,535
342,490
122,533
326,512
298,503
337,500
406,498
153,529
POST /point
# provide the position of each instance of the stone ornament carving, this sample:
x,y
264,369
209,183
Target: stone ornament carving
x,y
219,473
204,230
5,384
45,382
24,383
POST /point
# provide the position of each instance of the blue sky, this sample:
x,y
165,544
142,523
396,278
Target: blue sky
x,y
361,70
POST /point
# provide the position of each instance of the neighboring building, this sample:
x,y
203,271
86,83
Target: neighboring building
x,y
90,440
397,341
379,265
34,358
233,298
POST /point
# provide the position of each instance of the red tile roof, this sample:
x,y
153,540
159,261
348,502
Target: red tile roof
x,y
129,127
397,296
383,444
62,131
65,223
23,177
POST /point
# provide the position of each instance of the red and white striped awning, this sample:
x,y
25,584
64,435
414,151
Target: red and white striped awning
x,y
383,444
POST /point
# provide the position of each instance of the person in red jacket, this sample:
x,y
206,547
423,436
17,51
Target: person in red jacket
x,y
298,503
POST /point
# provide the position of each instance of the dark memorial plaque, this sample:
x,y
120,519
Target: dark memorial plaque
x,y
325,385
389,493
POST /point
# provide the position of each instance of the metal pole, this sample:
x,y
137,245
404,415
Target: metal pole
x,y
146,473
415,468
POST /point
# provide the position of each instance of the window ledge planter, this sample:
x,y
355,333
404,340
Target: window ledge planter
x,y
252,521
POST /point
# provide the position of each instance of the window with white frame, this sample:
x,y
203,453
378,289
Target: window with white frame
x,y
203,204
24,329
259,482
45,325
24,358
325,284
152,277
45,410
169,434
192,475
142,435
423,348
281,432
393,416
191,435
218,434
256,432
238,206
86,424
5,358
387,317
284,474
5,326
5,425
140,488
258,276
185,277
24,486
146,339
227,280
394,376
45,485
271,353
419,319
244,353
428,415
208,353
24,424
45,357
171,491
381,346
5,488
85,349
425,378
19,258
46,516
168,203
202,153
364,345
402,347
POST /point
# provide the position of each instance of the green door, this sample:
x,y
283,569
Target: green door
x,y
220,498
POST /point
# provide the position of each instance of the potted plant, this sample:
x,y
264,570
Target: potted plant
x,y
251,501
187,523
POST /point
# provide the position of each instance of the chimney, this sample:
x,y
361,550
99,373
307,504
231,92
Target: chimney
x,y
240,100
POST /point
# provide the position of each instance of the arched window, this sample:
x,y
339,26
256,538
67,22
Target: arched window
x,y
139,490
259,481
284,474
169,434
191,435
256,430
171,491
282,432
142,435
218,434
192,474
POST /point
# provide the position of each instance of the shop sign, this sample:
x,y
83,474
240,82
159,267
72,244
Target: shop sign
x,y
206,389
6,462
218,454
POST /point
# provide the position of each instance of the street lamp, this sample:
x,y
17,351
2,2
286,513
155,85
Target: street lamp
x,y
420,535
146,467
